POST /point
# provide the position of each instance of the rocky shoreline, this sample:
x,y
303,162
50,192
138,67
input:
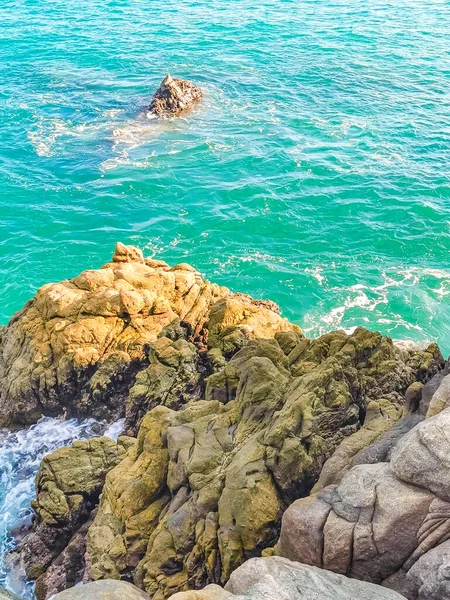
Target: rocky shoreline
x,y
246,445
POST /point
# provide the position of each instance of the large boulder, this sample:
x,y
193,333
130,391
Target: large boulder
x,y
205,486
386,522
277,578
104,590
77,346
174,96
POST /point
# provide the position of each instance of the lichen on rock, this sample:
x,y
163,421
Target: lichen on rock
x,y
77,346
205,487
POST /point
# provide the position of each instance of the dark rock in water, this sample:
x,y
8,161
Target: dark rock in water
x,y
68,568
174,96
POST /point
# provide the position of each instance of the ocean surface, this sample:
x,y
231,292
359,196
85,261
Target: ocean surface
x,y
315,172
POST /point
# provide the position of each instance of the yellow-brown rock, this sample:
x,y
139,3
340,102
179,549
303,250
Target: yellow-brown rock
x,y
76,347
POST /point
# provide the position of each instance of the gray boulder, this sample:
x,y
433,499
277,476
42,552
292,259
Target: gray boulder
x,y
441,398
386,522
277,578
108,589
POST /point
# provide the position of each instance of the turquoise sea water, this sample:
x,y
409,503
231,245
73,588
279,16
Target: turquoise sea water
x,y
315,172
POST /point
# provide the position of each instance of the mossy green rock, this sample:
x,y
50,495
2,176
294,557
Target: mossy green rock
x,y
68,486
205,486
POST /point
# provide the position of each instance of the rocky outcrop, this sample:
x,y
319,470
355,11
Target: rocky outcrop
x,y
234,410
68,487
77,346
276,578
384,426
104,590
174,96
386,522
205,486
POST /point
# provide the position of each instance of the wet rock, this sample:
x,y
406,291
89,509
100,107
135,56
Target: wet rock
x,y
76,348
276,578
68,487
67,569
104,590
205,486
174,96
386,522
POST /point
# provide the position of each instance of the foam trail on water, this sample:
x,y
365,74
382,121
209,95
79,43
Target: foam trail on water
x,y
115,429
20,455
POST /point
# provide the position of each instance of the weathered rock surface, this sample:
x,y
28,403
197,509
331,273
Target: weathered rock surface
x,y
77,346
386,423
441,398
104,590
386,522
68,487
234,410
206,485
277,578
174,96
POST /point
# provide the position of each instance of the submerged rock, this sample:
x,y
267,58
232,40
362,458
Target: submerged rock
x,y
386,522
276,578
104,590
174,96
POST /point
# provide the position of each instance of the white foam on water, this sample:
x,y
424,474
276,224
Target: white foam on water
x,y
21,453
369,306
115,429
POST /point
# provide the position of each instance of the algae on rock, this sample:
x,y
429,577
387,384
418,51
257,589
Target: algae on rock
x,y
235,413
75,348
205,486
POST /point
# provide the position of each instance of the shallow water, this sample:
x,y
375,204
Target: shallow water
x,y
315,173
20,455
